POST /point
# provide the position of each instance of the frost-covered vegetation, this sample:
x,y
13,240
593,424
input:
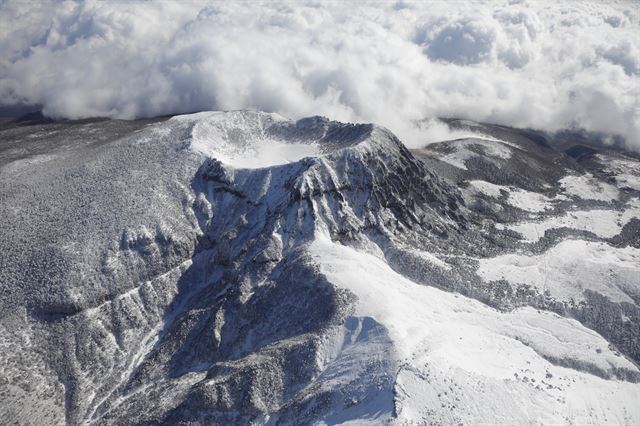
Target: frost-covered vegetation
x,y
182,271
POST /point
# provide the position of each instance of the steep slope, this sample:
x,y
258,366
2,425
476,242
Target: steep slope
x,y
243,268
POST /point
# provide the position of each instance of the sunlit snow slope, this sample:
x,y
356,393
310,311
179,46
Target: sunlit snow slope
x,y
242,268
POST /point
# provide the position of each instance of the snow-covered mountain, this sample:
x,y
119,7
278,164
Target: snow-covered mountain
x,y
243,268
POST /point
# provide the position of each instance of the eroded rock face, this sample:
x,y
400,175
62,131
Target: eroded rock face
x,y
183,272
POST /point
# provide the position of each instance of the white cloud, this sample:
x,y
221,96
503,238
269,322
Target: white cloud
x,y
540,65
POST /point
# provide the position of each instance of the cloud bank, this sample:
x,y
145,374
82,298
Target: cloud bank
x,y
542,65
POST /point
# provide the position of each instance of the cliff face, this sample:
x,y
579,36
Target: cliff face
x,y
240,267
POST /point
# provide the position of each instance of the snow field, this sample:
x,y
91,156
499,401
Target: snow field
x,y
462,360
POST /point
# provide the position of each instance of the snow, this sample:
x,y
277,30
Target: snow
x,y
526,200
448,359
465,362
588,188
430,258
17,167
585,187
493,147
625,171
529,201
569,268
241,141
603,223
268,152
487,188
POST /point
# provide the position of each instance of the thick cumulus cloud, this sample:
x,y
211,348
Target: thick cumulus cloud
x,y
541,65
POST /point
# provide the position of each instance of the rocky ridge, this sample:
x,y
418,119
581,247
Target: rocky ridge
x,y
205,280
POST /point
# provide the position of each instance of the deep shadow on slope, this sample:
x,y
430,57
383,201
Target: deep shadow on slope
x,y
249,313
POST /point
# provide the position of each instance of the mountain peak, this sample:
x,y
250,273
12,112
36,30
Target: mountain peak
x,y
240,267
